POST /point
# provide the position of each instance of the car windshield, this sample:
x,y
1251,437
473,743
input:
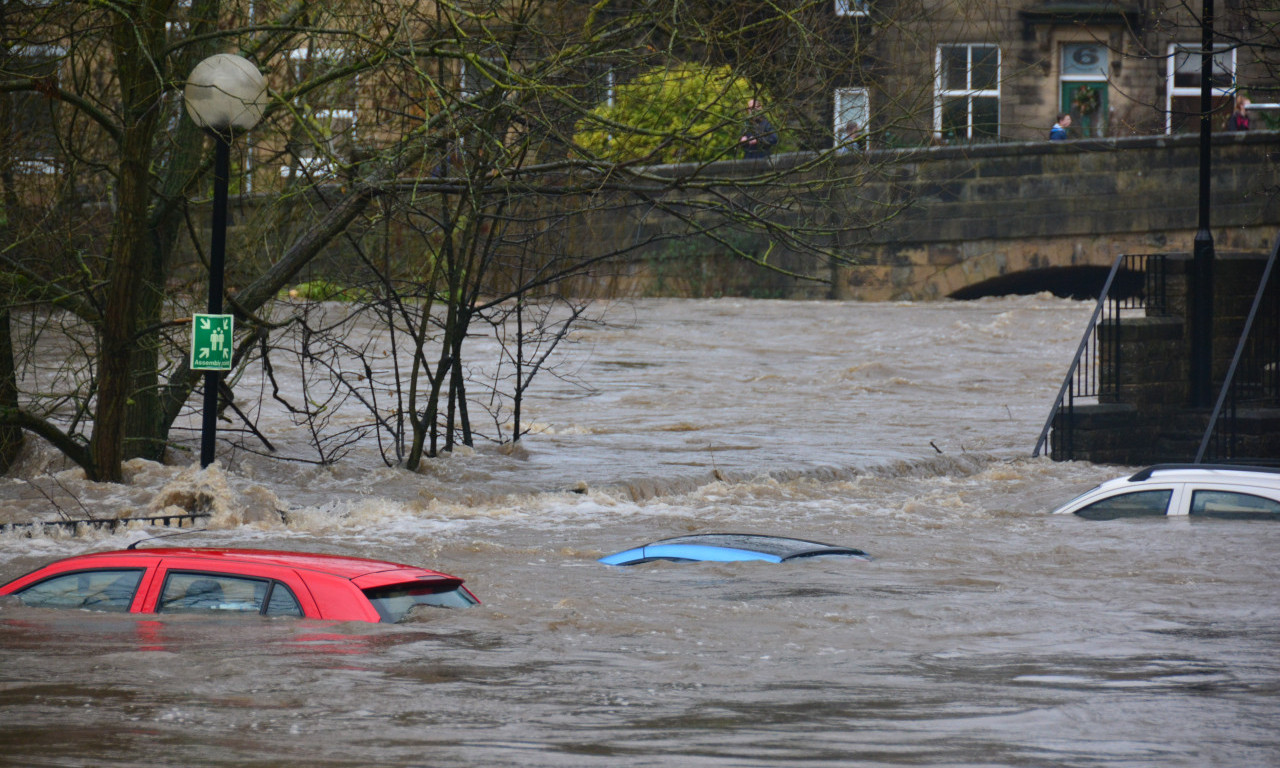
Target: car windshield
x,y
393,603
778,546
729,547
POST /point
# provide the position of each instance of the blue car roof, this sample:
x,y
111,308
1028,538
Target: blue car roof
x,y
729,547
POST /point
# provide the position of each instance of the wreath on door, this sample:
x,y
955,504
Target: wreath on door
x,y
1085,100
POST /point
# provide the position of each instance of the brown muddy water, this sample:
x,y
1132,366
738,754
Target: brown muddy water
x,y
985,631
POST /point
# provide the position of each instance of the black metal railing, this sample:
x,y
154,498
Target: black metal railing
x,y
1135,282
99,523
1253,378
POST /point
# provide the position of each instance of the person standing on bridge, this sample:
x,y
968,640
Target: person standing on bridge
x,y
1238,120
1059,130
759,137
849,139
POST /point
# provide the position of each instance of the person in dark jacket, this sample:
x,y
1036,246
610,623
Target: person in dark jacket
x,y
1238,120
759,137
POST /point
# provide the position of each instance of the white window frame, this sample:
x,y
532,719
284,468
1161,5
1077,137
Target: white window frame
x,y
1102,72
1171,70
173,27
840,115
464,72
41,165
318,165
852,7
610,86
943,94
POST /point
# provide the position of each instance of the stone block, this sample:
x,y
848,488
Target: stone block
x,y
1015,165
943,255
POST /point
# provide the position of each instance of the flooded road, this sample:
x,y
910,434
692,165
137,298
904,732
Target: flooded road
x,y
984,632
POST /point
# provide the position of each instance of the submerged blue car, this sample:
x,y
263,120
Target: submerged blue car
x,y
729,547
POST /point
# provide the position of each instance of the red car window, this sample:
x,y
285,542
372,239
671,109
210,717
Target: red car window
x,y
257,588
99,590
281,602
198,592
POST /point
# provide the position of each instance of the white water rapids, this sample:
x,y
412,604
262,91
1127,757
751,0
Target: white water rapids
x,y
984,631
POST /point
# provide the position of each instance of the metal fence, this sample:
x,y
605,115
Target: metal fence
x,y
99,523
1253,378
1136,283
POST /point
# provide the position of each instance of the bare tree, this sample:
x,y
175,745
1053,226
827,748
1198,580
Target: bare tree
x,y
447,129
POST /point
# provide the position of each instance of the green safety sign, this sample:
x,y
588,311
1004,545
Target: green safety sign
x,y
211,342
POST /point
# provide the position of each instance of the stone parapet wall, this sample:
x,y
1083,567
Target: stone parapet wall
x,y
963,216
990,211
977,213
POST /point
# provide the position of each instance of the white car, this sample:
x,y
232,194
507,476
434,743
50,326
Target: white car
x,y
1206,490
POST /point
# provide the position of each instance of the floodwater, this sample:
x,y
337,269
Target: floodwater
x,y
985,631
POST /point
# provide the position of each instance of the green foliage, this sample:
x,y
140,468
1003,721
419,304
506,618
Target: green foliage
x,y
323,290
671,114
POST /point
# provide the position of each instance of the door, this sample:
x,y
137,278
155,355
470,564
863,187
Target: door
x,y
1087,104
1084,70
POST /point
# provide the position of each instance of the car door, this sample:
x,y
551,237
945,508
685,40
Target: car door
x,y
1232,501
195,585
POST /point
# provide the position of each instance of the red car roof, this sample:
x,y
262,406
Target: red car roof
x,y
335,565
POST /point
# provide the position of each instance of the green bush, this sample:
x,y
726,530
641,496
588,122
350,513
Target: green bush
x,y
683,113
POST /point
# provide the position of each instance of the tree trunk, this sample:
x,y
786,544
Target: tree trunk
x,y
146,427
130,249
10,435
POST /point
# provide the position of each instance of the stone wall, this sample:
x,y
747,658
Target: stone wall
x,y
973,214
989,211
961,216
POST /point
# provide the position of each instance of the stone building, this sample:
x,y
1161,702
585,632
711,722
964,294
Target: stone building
x,y
955,72
900,72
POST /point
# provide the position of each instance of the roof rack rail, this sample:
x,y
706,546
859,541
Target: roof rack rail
x,y
1145,474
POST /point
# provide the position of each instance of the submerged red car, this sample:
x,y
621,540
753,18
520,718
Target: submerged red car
x,y
243,581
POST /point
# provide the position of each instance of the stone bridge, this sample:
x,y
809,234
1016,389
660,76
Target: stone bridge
x,y
1003,218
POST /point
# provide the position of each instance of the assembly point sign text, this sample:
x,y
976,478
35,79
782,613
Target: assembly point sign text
x,y
211,342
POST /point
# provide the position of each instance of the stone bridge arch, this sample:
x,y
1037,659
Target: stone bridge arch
x,y
1013,217
1064,268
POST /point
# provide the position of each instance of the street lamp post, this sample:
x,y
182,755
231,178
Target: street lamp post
x,y
225,95
1201,281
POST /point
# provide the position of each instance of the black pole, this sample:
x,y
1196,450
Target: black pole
x,y
1201,282
217,258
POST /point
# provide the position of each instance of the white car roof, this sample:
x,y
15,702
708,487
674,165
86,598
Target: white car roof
x,y
1168,475
1187,473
